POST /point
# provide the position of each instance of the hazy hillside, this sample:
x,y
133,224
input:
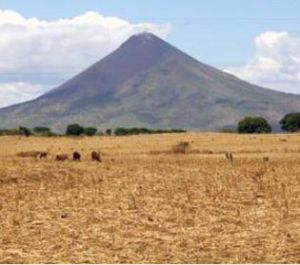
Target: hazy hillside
x,y
147,82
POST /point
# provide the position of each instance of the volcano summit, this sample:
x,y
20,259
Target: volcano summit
x,y
147,82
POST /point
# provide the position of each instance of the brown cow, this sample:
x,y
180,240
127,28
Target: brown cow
x,y
62,158
96,156
76,156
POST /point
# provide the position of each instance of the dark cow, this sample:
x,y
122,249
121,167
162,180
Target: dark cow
x,y
62,158
76,156
96,156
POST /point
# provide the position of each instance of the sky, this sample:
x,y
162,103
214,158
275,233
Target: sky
x,y
44,43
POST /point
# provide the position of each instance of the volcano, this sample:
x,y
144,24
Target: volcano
x,y
147,82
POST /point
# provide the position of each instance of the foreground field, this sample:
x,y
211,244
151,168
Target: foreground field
x,y
145,204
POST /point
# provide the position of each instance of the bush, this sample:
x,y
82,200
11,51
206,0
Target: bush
x,y
90,131
136,131
181,148
290,122
121,131
108,132
254,125
9,132
176,131
42,131
25,131
74,129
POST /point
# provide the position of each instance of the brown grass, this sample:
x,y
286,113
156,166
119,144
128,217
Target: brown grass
x,y
145,204
181,148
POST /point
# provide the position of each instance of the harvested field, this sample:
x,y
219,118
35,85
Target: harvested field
x,y
146,203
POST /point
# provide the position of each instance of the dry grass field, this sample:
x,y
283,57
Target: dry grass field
x,y
146,204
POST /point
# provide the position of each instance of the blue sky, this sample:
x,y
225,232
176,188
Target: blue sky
x,y
218,32
257,40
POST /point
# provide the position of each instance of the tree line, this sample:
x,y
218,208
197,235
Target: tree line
x,y
78,130
251,124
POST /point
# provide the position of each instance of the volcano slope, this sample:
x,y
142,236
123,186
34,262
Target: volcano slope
x,y
149,83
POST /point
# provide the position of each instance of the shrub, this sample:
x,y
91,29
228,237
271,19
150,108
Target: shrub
x,y
176,131
108,131
121,131
135,131
254,125
42,130
291,122
74,129
25,131
9,132
181,148
90,131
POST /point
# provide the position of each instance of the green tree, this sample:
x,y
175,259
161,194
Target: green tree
x,y
42,130
25,131
135,131
121,131
90,131
108,131
254,125
74,129
291,122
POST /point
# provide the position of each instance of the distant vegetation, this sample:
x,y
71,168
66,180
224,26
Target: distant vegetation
x,y
25,131
43,131
78,130
254,125
9,132
248,125
291,122
38,131
135,131
90,131
74,130
109,131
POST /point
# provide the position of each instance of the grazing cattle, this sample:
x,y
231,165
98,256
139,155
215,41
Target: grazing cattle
x,y
62,158
42,155
96,156
76,156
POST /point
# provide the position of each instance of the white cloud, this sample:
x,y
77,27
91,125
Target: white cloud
x,y
276,63
12,93
39,51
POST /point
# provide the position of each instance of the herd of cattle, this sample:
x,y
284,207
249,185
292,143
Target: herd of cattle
x,y
76,156
95,156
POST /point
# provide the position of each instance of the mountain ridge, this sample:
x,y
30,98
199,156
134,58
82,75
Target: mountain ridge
x,y
148,82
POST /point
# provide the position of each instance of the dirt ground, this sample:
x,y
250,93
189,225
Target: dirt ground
x,y
145,203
